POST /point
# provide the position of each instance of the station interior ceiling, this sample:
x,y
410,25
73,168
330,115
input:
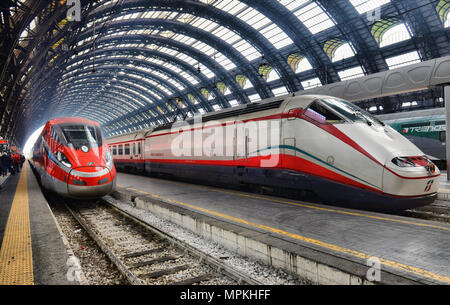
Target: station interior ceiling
x,y
134,64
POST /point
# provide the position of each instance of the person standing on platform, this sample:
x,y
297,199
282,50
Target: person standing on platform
x,y
6,162
16,162
22,160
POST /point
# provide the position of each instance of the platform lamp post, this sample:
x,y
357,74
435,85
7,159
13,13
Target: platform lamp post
x,y
447,120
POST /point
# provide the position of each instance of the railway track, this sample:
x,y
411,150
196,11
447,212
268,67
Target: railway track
x,y
438,211
146,255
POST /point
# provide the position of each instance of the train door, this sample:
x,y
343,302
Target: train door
x,y
240,150
289,136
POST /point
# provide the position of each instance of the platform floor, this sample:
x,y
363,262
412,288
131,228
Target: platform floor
x,y
405,245
32,249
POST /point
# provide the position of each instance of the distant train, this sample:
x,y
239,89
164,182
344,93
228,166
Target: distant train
x,y
72,159
317,145
425,128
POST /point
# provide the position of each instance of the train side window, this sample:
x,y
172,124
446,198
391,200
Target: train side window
x,y
121,150
442,136
127,149
139,148
134,148
321,114
114,150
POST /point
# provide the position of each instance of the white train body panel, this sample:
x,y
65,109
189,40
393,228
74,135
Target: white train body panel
x,y
335,158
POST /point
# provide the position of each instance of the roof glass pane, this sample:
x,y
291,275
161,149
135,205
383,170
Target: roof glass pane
x,y
403,60
311,83
351,73
280,91
363,6
310,14
343,52
395,34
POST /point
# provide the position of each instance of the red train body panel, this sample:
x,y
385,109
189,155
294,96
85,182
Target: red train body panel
x,y
73,160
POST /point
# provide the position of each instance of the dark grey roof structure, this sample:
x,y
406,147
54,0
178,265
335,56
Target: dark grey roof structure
x,y
132,64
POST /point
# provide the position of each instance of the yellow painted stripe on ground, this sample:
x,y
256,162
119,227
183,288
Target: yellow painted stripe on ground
x,y
309,206
16,259
361,255
444,190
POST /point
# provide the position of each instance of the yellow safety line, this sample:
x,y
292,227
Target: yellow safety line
x,y
361,255
444,190
316,207
16,259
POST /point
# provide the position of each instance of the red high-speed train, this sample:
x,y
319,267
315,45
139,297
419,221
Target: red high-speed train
x,y
72,159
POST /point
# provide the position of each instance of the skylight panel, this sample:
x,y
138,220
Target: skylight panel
x,y
314,18
403,60
343,52
311,83
280,91
276,36
231,7
363,6
233,103
351,73
394,35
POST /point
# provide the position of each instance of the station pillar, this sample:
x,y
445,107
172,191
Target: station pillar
x,y
447,133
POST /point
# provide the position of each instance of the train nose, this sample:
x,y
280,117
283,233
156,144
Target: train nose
x,y
410,176
90,182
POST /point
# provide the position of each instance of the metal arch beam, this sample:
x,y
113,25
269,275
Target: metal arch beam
x,y
148,52
155,78
300,35
92,85
119,108
345,16
130,95
88,80
224,19
118,86
127,81
166,71
422,35
121,80
106,99
200,35
75,97
12,92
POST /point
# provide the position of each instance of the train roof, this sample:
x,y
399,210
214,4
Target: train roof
x,y
64,120
417,114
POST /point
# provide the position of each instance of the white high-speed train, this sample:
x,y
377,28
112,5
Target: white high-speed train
x,y
317,145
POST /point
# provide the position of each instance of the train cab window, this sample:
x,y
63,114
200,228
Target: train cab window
x,y
114,150
127,149
322,114
121,150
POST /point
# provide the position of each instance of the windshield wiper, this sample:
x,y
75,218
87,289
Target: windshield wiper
x,y
359,113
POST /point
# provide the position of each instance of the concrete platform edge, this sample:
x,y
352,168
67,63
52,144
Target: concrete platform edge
x,y
319,267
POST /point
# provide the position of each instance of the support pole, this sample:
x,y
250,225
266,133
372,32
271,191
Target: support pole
x,y
447,133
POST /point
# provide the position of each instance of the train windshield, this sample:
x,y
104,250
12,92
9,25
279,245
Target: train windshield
x,y
351,111
82,135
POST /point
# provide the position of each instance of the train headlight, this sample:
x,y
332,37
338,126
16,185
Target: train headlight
x,y
403,162
108,159
63,159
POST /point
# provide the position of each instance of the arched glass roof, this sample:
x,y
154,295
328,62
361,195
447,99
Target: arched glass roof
x,y
132,64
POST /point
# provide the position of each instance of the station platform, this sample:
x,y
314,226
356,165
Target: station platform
x,y
410,251
32,249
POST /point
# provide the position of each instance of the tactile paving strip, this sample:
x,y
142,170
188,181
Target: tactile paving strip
x,y
16,260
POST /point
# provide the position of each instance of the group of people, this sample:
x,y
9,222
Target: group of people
x,y
11,163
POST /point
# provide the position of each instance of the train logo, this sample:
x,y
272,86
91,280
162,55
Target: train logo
x,y
429,184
